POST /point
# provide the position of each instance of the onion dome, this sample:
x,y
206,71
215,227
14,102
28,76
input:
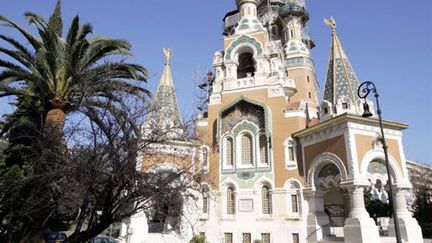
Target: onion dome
x,y
296,47
293,9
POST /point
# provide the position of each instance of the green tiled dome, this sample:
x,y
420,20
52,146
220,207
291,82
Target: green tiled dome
x,y
293,9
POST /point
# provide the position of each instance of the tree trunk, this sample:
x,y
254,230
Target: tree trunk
x,y
82,214
56,118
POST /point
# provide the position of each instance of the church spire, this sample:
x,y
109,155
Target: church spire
x,y
164,118
341,82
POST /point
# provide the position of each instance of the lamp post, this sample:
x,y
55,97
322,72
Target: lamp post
x,y
363,91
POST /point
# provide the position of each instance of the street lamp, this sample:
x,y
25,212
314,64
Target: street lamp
x,y
363,91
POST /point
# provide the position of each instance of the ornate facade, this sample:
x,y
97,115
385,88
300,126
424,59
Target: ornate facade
x,y
280,165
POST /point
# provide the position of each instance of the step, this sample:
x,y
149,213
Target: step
x,y
390,239
332,239
337,231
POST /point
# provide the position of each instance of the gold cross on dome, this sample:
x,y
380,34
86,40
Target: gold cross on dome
x,y
168,54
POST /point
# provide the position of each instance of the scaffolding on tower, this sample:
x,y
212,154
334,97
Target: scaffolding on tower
x,y
203,83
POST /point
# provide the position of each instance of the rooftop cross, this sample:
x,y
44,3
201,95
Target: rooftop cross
x,y
331,22
168,54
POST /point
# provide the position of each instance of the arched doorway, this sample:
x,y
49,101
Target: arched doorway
x,y
327,184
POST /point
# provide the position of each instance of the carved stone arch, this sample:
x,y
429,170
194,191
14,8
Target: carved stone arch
x,y
245,126
292,184
378,155
263,106
227,183
320,162
373,178
263,181
240,44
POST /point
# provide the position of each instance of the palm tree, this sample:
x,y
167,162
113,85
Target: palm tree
x,y
61,76
51,76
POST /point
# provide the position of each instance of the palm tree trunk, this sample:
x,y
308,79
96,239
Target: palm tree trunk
x,y
56,118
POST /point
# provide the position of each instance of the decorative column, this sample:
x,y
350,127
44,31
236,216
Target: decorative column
x,y
359,227
409,228
318,223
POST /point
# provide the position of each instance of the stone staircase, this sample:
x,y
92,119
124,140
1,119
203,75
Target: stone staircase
x,y
336,236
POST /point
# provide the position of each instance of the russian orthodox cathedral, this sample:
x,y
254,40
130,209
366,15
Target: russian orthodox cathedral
x,y
280,164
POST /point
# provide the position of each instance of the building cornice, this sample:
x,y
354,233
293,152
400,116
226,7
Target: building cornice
x,y
348,118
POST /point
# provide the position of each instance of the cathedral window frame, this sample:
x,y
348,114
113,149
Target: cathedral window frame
x,y
293,190
290,154
224,199
240,146
204,159
225,164
260,163
259,199
266,200
230,197
205,202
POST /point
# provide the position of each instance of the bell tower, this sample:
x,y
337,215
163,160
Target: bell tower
x,y
293,18
264,87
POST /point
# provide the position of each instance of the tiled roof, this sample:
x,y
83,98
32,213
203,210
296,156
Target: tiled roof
x,y
341,81
164,112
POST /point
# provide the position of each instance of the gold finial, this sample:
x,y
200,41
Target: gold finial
x,y
331,22
168,54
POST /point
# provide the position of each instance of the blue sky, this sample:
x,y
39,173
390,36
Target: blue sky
x,y
387,41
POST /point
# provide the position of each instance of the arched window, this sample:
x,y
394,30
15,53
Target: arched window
x,y
263,149
205,199
229,151
290,154
266,200
246,149
230,200
293,199
290,151
205,162
205,203
246,66
294,203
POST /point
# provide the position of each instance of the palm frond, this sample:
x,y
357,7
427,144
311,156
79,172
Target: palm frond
x,y
18,56
18,46
56,21
102,48
29,37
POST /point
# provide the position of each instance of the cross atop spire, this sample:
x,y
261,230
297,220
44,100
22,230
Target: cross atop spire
x,y
164,117
331,22
341,81
168,54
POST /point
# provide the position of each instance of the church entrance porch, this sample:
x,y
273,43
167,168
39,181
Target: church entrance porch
x,y
327,199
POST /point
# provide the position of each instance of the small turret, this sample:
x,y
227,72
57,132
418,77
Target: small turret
x,y
248,8
340,92
164,119
248,22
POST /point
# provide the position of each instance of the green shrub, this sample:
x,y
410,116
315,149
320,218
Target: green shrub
x,y
197,239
